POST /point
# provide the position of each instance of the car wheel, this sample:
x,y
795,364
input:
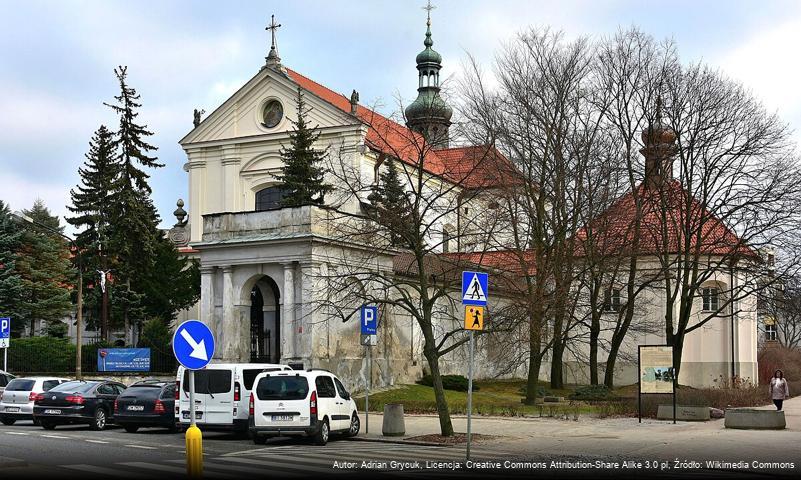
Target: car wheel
x,y
99,422
131,428
321,437
259,439
8,421
355,425
37,422
48,425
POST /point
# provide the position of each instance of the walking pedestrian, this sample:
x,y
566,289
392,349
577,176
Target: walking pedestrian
x,y
779,390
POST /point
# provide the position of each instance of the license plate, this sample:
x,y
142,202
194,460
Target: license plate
x,y
12,409
136,408
282,418
198,415
52,412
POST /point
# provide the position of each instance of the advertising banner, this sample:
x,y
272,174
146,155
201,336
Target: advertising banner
x,y
656,369
123,360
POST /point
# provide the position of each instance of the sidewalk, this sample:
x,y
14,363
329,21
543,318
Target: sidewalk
x,y
621,438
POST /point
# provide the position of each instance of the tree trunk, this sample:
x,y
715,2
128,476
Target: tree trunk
x,y
595,332
556,365
534,365
609,374
445,425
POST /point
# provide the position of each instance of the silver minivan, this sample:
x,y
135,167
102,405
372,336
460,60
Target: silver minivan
x,y
16,402
222,391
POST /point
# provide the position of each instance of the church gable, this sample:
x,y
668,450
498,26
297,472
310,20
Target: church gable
x,y
266,105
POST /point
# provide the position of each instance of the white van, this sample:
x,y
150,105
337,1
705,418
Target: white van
x,y
222,391
312,403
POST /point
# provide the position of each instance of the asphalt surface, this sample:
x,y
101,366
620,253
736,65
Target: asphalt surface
x,y
78,452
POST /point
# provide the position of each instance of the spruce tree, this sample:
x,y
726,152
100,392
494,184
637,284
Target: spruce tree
x,y
93,206
302,174
10,282
392,204
44,269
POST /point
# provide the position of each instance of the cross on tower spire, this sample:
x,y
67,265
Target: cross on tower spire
x,y
273,59
428,7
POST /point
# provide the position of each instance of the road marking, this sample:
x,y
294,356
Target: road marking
x,y
221,466
17,433
97,441
109,472
141,446
169,468
293,462
56,436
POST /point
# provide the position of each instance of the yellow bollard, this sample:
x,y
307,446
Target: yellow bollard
x,y
194,452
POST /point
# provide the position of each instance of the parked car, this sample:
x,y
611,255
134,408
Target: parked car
x,y
5,377
221,394
313,403
16,402
149,403
78,401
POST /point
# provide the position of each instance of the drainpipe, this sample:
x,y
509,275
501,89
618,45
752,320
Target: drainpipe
x,y
733,313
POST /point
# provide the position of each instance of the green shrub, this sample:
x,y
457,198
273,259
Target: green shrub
x,y
449,382
41,355
541,391
593,392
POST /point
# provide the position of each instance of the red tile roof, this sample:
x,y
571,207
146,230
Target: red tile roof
x,y
663,226
471,167
505,260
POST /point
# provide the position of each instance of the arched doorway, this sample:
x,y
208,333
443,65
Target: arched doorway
x,y
265,322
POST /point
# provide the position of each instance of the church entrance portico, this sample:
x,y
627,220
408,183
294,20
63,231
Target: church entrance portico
x,y
265,322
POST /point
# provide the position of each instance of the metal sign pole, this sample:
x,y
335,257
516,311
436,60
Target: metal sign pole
x,y
5,359
192,421
639,384
367,395
469,393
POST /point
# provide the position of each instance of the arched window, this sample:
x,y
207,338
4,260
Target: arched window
x,y
269,198
711,300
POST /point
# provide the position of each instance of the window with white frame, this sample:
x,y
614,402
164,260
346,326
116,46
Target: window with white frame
x,y
612,300
711,299
770,332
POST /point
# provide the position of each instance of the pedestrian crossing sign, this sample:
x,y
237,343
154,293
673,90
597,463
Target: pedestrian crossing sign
x,y
473,318
474,288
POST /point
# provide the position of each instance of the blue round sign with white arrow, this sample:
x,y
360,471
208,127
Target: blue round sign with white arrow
x,y
193,344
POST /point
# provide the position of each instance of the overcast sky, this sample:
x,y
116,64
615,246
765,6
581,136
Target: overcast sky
x,y
57,60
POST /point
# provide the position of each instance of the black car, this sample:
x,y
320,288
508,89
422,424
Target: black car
x,y
149,403
90,402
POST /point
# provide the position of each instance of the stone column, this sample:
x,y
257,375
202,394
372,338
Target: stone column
x,y
228,333
207,296
230,180
309,290
288,326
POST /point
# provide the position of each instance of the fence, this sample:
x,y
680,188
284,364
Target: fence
x,y
56,356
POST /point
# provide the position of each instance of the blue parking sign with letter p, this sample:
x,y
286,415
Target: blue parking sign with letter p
x,y
369,320
5,332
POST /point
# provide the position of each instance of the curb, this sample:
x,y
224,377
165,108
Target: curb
x,y
399,441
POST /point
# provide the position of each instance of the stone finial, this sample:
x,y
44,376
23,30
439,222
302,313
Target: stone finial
x,y
354,102
180,213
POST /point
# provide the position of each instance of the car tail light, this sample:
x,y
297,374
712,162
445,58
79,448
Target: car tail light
x,y
39,397
116,406
177,389
159,408
237,395
313,404
32,396
76,399
251,405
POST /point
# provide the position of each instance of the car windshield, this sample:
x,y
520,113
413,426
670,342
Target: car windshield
x,y
75,387
20,385
282,388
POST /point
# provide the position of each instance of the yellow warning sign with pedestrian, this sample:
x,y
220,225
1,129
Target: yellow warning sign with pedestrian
x,y
473,317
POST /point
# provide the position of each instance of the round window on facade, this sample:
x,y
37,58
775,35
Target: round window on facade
x,y
272,114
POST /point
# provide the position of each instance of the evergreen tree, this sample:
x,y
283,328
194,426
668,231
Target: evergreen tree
x,y
93,203
44,268
392,204
10,282
302,174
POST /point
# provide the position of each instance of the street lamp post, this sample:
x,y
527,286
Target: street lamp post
x,y
79,314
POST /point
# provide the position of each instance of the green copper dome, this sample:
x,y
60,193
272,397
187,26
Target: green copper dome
x,y
428,106
429,55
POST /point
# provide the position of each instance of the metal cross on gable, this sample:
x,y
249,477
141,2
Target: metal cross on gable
x,y
272,27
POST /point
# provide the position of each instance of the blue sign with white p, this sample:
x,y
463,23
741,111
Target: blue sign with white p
x,y
369,320
193,344
5,332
